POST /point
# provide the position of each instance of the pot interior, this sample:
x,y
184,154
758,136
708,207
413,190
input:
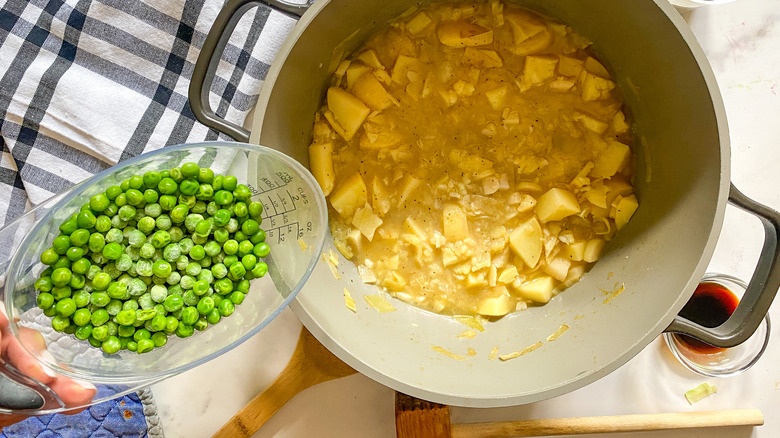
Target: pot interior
x,y
681,180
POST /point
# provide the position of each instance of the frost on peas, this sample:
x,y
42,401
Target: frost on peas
x,y
190,299
147,250
163,222
158,293
199,240
146,224
112,271
145,301
212,208
93,271
134,253
182,262
232,225
172,252
124,263
136,239
174,278
114,235
144,267
158,254
158,280
219,270
153,210
205,262
130,305
199,207
136,287
114,307
176,234
186,282
192,220
206,275
186,245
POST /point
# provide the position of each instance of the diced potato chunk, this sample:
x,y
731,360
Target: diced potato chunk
x,y
482,58
526,241
355,71
558,268
593,250
575,251
410,185
524,25
366,221
369,57
411,226
380,198
495,306
595,67
348,111
496,97
379,140
350,195
321,164
590,122
418,23
539,290
368,89
463,34
454,222
569,66
538,68
403,64
611,160
556,204
535,44
508,274
595,88
624,210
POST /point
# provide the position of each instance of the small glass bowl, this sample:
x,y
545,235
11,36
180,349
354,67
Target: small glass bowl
x,y
728,361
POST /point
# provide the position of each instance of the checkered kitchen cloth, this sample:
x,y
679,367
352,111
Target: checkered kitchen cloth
x,y
85,84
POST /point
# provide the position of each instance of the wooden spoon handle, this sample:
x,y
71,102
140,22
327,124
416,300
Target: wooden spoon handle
x,y
608,424
310,364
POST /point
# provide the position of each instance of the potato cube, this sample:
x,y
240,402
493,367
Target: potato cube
x,y
412,227
558,268
595,67
350,195
496,97
590,122
369,57
611,160
366,221
455,224
482,58
619,123
463,34
380,198
524,25
535,44
355,71
368,89
418,23
594,87
539,290
403,64
575,251
538,68
556,204
526,241
321,165
348,111
508,274
593,250
569,66
410,185
624,210
495,306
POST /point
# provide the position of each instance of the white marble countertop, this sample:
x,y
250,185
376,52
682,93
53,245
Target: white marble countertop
x,y
742,42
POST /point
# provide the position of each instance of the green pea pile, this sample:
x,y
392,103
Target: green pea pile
x,y
164,253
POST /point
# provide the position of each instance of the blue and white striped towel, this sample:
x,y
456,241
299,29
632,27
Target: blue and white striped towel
x,y
85,84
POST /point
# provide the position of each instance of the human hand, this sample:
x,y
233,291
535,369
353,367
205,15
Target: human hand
x,y
72,392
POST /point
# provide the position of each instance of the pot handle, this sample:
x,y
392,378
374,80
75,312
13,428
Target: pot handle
x,y
760,292
211,52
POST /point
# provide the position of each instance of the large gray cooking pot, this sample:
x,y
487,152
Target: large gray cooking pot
x,y
682,182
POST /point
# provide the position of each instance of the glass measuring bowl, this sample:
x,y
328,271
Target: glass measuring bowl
x,y
295,221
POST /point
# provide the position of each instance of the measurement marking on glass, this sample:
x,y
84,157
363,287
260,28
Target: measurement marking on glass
x,y
281,233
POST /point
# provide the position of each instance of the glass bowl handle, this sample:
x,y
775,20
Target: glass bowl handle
x,y
211,52
761,289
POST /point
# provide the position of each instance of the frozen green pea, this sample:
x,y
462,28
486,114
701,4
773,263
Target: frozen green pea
x,y
176,234
190,298
144,267
186,245
212,248
145,301
136,287
114,235
186,282
219,270
146,225
124,263
112,270
136,239
172,252
147,250
113,307
117,222
173,278
182,262
153,210
158,293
